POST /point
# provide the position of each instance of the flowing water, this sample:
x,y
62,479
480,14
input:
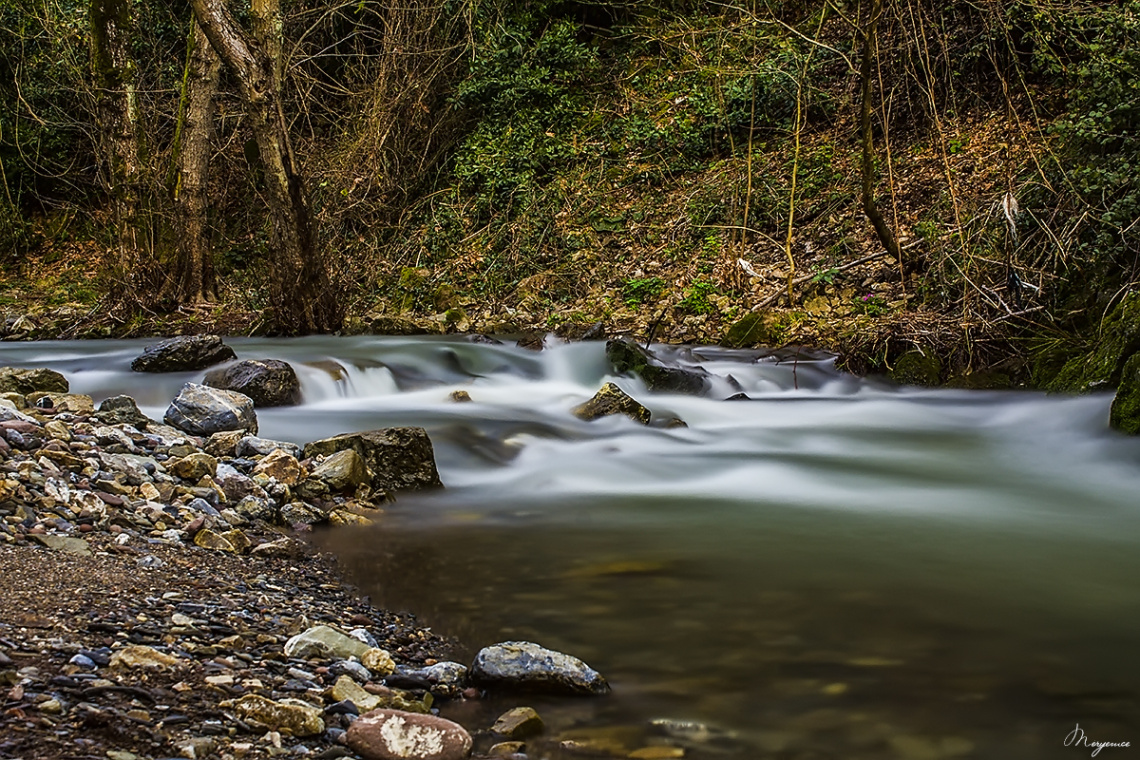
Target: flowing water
x,y
836,568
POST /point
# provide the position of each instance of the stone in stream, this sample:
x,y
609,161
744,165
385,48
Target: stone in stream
x,y
519,723
397,735
399,458
322,642
25,381
611,400
199,410
269,382
525,666
627,356
183,354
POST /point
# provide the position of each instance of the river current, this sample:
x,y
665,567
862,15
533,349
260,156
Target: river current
x,y
836,568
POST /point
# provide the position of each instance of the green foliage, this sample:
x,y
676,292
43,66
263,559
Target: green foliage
x,y
642,290
871,305
696,298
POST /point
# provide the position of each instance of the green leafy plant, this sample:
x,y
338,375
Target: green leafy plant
x,y
696,298
642,290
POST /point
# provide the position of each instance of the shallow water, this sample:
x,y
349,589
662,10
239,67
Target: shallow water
x,y
837,568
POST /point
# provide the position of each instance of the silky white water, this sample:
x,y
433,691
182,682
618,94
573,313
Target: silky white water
x,y
835,568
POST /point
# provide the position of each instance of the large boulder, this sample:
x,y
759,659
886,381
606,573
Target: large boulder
x,y
25,381
611,400
628,357
122,410
399,458
269,382
524,666
398,735
183,354
203,411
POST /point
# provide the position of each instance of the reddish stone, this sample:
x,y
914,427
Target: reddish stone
x,y
397,735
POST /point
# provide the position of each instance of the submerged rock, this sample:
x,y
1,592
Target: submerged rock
x,y
183,354
611,400
522,665
199,410
627,356
519,723
25,381
399,458
269,382
397,735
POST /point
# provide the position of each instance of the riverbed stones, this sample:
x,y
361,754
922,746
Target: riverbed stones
x,y
203,411
519,723
64,544
611,399
25,381
75,403
628,357
140,656
122,410
252,446
323,642
291,716
526,666
269,382
281,466
399,458
183,354
194,466
397,735
378,661
342,471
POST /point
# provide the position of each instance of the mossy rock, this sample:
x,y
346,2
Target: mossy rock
x,y
1103,364
628,357
917,368
752,330
611,400
1125,413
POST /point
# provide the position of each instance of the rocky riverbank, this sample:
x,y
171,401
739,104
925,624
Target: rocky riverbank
x,y
158,599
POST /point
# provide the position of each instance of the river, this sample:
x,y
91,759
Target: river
x,y
836,568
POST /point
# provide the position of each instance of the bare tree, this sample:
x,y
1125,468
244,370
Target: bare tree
x,y
193,276
299,290
114,71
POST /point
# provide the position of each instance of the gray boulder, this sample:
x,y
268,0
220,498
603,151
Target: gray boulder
x,y
203,411
269,382
122,410
25,381
524,666
183,354
398,735
399,458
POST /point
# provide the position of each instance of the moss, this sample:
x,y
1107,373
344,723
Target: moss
x,y
753,330
1103,363
1125,414
917,368
981,381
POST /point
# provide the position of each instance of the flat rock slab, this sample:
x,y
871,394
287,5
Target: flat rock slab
x,y
326,643
398,735
183,354
64,544
525,666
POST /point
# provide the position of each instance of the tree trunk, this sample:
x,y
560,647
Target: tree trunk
x,y
117,115
299,289
193,280
866,65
